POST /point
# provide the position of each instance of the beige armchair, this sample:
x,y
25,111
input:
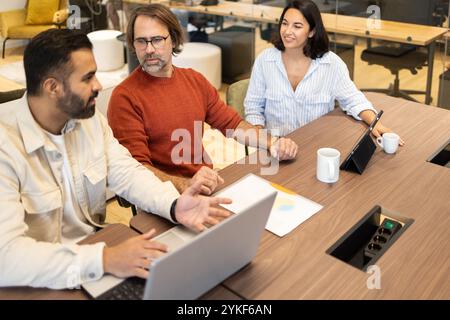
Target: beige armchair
x,y
236,93
13,24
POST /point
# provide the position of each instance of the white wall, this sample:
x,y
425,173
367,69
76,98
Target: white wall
x,y
6,5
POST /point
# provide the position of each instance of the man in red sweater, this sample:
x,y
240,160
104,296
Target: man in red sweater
x,y
159,103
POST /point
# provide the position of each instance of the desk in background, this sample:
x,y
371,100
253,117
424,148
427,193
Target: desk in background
x,y
416,266
420,35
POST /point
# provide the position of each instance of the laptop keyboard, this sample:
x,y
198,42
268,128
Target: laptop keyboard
x,y
130,289
133,288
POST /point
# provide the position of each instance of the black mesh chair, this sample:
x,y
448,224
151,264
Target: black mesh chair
x,y
396,58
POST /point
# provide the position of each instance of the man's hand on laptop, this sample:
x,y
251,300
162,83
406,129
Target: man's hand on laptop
x,y
209,179
195,211
132,258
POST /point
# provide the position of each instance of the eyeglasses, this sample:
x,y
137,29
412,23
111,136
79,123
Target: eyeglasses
x,y
157,42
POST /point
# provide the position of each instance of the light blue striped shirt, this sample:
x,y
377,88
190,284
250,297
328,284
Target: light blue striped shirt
x,y
271,101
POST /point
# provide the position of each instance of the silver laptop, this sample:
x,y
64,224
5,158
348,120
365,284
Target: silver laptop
x,y
195,263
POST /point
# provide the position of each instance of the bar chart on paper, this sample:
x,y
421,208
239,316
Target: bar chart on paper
x,y
289,211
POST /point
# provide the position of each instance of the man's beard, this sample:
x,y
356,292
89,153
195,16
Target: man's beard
x,y
152,68
75,107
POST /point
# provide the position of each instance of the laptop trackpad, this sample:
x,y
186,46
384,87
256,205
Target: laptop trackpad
x,y
175,237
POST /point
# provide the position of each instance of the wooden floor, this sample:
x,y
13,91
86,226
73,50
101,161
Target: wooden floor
x,y
226,151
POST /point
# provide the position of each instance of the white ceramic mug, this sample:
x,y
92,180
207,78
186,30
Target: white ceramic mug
x,y
389,142
328,165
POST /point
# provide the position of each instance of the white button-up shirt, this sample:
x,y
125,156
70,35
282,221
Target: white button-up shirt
x,y
271,101
32,196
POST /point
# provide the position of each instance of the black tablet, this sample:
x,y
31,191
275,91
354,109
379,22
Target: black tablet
x,y
363,150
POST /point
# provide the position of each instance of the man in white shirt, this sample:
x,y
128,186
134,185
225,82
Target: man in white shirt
x,y
57,157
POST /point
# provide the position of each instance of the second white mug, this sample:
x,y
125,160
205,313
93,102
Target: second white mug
x,y
328,165
389,142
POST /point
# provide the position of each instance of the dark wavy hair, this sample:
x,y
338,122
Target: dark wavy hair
x,y
317,45
48,55
163,15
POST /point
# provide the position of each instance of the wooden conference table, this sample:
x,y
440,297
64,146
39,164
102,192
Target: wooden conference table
x,y
420,35
297,266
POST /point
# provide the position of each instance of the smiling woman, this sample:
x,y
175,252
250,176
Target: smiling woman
x,y
299,80
301,27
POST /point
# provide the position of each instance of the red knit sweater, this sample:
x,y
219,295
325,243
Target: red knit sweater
x,y
144,111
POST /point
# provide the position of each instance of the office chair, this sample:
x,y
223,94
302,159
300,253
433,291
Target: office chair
x,y
267,31
198,20
412,61
93,15
235,98
202,21
395,56
125,204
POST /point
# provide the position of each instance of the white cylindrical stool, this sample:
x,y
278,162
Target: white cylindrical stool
x,y
108,51
205,58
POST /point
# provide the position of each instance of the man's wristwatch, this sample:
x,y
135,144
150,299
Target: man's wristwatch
x,y
172,211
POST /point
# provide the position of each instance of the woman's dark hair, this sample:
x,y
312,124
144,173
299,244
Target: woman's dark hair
x,y
48,55
317,45
163,15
